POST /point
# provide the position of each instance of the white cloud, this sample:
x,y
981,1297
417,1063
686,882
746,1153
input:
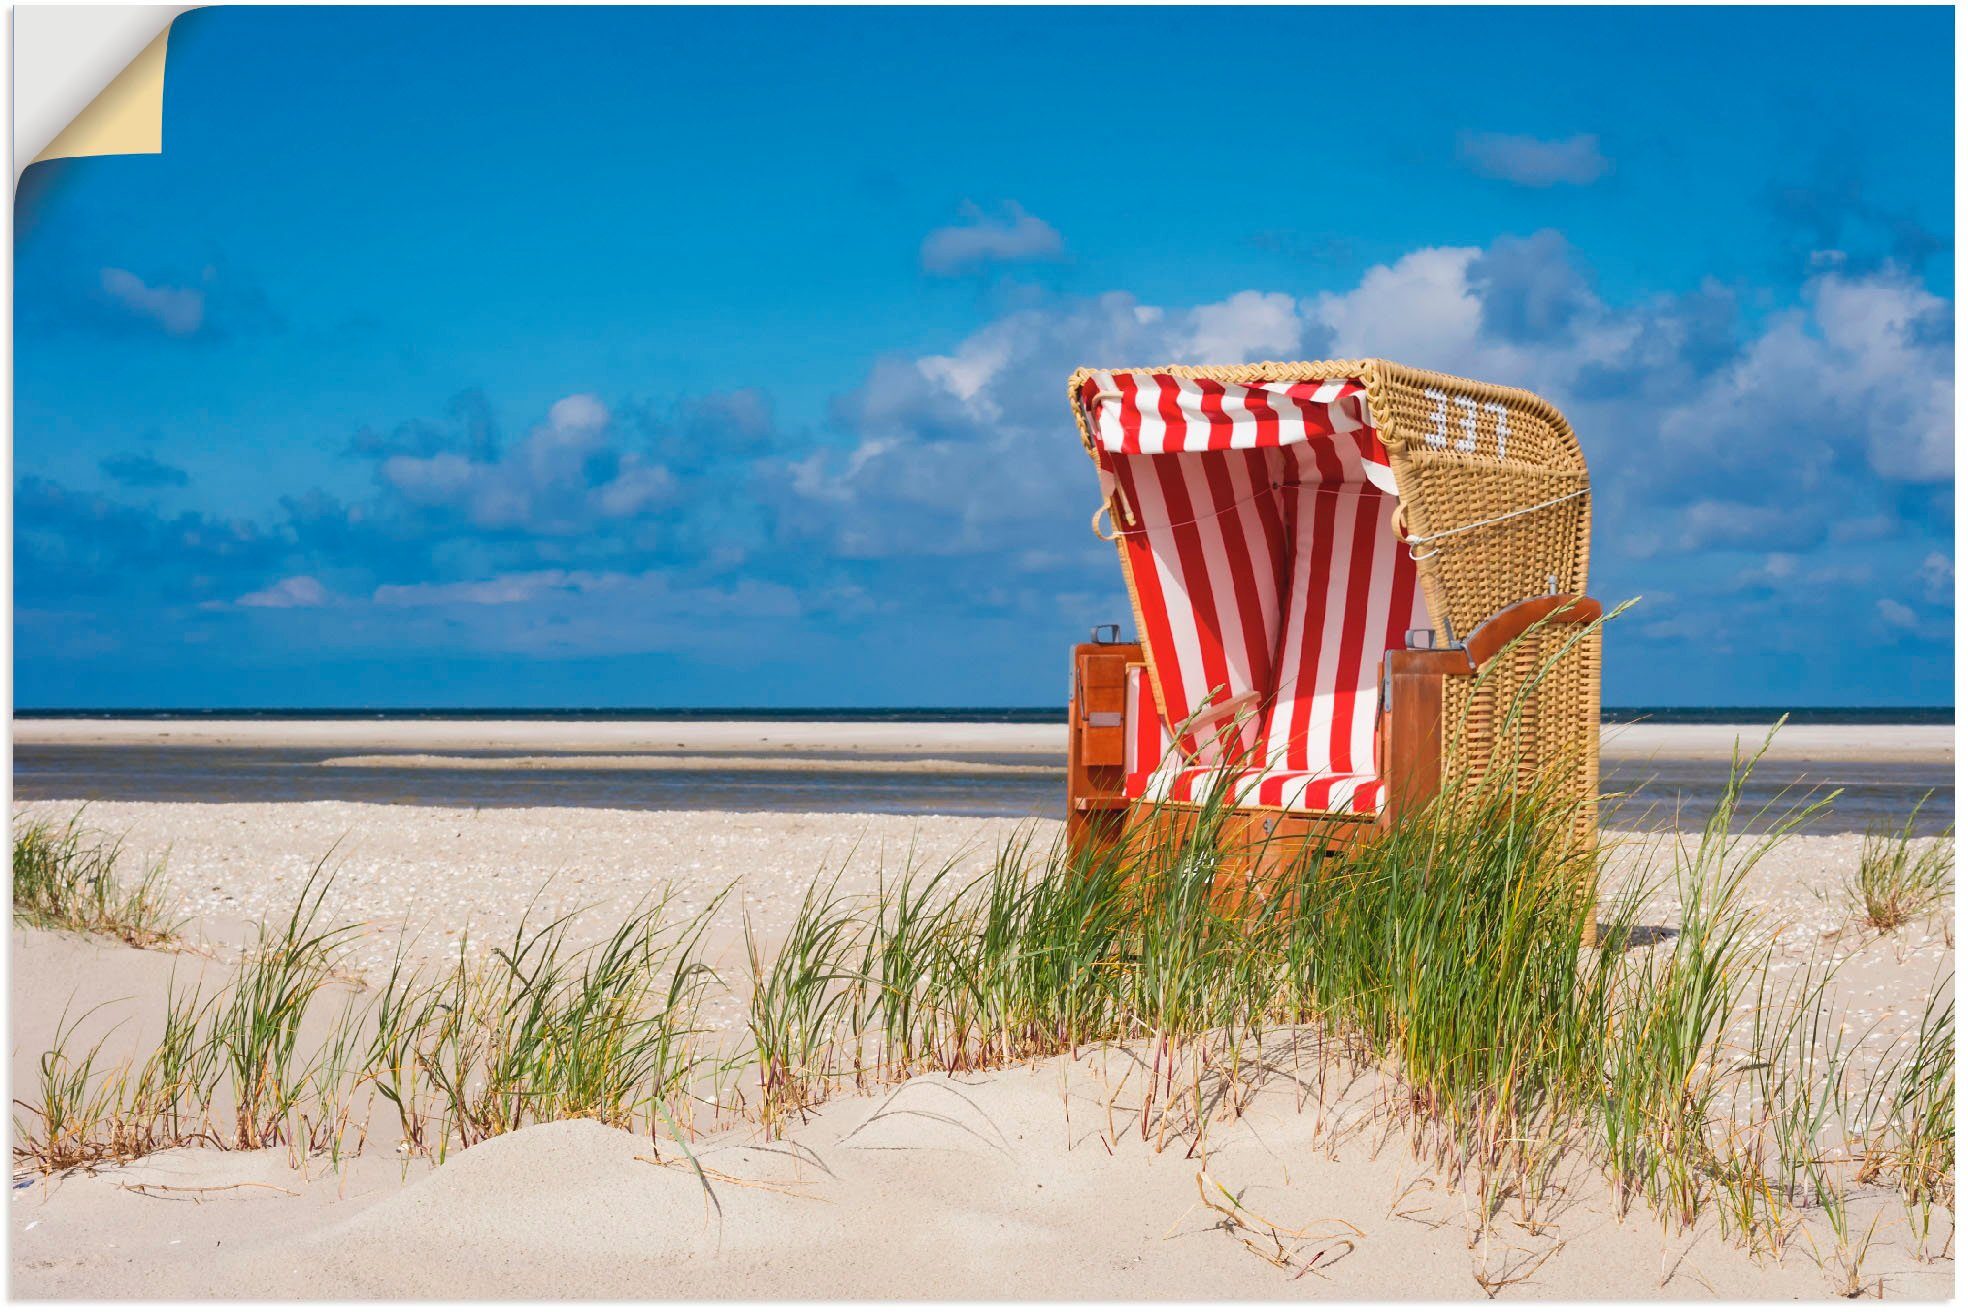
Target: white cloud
x,y
430,480
1533,161
563,477
1897,614
1714,521
179,311
639,486
580,412
1785,569
504,590
1248,326
1862,372
302,590
1420,309
1937,576
1013,236
1728,464
1721,441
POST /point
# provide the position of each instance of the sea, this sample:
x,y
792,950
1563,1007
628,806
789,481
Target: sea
x,y
1643,794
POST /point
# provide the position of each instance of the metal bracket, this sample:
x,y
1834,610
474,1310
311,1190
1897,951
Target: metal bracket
x,y
1113,632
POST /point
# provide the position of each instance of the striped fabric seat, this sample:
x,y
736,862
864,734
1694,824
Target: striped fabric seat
x,y
1154,773
1255,522
1289,790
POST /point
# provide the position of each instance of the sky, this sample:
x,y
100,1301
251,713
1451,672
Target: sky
x,y
624,357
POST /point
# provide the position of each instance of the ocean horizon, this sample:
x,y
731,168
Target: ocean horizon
x,y
1855,715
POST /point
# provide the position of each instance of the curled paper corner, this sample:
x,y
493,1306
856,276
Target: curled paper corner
x,y
127,118
81,57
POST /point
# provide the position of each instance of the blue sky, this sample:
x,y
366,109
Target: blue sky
x,y
673,357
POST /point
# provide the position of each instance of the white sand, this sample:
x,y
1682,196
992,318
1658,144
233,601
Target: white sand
x,y
999,1186
1804,742
1023,1183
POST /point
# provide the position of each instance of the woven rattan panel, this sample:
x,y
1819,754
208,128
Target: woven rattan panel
x,y
1534,709
1494,492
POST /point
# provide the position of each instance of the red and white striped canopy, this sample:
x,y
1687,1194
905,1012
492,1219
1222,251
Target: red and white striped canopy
x,y
1151,414
1268,581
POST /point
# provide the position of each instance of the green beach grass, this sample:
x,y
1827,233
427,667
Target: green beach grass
x,y
66,877
1448,956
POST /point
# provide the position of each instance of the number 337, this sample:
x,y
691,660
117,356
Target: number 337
x,y
1466,409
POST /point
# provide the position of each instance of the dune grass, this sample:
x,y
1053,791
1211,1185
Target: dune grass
x,y
71,1125
1448,955
66,877
1900,878
293,1050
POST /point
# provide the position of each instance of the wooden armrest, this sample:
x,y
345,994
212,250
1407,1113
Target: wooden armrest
x,y
1494,634
1514,620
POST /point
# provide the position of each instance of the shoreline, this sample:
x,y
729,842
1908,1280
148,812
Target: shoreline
x,y
1877,744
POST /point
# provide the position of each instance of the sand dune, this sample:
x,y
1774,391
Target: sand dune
x,y
1002,1185
1031,1182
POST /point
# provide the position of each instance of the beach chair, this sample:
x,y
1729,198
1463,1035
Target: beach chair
x,y
1351,581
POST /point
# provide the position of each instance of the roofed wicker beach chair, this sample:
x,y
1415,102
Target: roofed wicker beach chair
x,y
1351,580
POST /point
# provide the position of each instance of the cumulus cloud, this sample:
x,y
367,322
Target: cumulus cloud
x,y
1897,614
1531,289
961,452
70,545
1861,372
1533,161
506,590
1247,326
200,306
1778,471
138,469
300,591
1715,470
1787,570
469,427
1010,237
1937,577
179,311
566,474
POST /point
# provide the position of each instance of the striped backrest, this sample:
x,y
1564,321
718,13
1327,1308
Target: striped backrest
x,y
1255,523
1351,596
1147,736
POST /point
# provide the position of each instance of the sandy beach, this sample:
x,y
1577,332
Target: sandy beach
x,y
999,1186
1026,1182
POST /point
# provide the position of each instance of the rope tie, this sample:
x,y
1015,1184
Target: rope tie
x,y
1483,523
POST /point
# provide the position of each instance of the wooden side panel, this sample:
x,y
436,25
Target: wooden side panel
x,y
1096,741
1103,707
1411,727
